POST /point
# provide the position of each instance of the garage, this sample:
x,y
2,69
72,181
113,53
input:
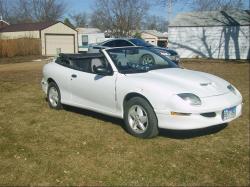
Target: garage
x,y
55,43
59,38
55,37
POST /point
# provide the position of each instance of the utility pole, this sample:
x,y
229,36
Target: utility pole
x,y
170,7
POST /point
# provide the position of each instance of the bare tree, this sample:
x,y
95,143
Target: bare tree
x,y
4,9
32,10
168,4
209,5
119,17
153,22
80,19
21,12
68,23
204,5
199,5
164,3
48,10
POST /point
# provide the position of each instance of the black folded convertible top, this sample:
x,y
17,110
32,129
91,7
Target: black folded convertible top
x,y
80,55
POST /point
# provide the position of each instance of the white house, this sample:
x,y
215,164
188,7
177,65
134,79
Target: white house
x,y
214,34
55,37
155,37
87,36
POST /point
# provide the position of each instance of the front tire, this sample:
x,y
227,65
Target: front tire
x,y
140,119
147,59
54,96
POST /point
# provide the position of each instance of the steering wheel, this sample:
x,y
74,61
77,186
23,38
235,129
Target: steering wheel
x,y
147,59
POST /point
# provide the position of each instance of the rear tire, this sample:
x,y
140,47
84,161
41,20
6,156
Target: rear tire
x,y
140,119
54,96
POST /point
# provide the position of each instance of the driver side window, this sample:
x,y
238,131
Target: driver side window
x,y
95,62
110,44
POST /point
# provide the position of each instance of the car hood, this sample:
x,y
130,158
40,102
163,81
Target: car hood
x,y
178,80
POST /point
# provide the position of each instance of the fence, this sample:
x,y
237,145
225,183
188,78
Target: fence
x,y
20,47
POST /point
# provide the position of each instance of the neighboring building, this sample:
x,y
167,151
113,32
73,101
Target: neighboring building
x,y
215,34
155,37
56,37
88,36
3,23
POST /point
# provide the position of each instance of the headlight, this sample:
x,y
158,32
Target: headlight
x,y
232,89
164,53
190,98
173,57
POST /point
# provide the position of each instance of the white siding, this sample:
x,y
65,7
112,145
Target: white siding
x,y
20,34
92,39
149,38
210,42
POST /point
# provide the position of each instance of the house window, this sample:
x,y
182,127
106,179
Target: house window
x,y
85,40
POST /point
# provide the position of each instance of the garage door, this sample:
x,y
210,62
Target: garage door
x,y
59,43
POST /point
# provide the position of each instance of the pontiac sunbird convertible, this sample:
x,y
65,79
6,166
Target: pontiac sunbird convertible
x,y
142,87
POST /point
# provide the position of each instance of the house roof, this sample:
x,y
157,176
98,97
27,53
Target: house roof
x,y
27,27
212,18
3,22
83,30
155,33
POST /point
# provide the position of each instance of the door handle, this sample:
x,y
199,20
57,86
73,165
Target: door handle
x,y
73,75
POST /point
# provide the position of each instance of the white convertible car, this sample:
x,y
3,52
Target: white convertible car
x,y
144,88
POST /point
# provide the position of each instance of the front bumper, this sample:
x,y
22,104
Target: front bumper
x,y
197,121
175,59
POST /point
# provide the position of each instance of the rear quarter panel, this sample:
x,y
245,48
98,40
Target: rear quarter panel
x,y
61,76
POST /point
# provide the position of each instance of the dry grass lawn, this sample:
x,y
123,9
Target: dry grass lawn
x,y
40,146
21,59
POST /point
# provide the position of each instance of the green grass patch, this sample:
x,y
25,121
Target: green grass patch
x,y
40,146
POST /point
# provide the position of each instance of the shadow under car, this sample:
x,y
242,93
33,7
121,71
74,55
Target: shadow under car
x,y
174,134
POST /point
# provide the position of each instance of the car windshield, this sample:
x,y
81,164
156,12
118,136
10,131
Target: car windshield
x,y
138,60
140,42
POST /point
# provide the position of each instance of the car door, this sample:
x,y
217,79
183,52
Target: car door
x,y
92,91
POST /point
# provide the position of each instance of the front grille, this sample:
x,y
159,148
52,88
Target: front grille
x,y
209,114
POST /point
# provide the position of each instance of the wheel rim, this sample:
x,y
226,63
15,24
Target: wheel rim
x,y
147,59
53,96
138,119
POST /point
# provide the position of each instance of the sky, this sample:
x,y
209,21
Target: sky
x,y
87,6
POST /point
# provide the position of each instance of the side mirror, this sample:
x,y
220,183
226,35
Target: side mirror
x,y
101,70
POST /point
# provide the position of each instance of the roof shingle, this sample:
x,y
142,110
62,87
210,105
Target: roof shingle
x,y
155,33
212,18
27,27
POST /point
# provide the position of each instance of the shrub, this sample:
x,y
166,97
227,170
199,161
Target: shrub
x,y
20,47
